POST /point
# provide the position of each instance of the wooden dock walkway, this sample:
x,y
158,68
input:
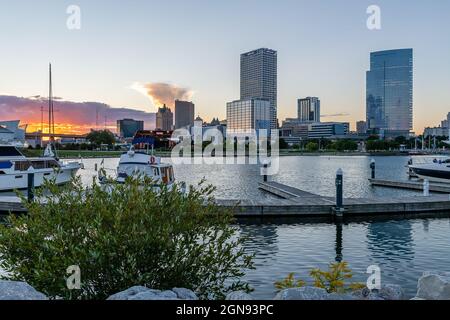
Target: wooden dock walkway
x,y
11,204
322,206
284,191
298,203
293,202
410,185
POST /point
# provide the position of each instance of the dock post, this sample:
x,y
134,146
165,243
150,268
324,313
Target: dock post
x,y
265,170
339,192
372,167
96,167
426,188
30,189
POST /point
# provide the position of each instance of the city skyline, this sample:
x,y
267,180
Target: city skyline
x,y
122,64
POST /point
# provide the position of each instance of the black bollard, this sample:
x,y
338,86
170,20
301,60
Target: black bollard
x,y
265,171
339,190
372,166
30,189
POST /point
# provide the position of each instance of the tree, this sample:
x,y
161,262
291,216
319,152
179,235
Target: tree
x,y
101,137
121,237
312,146
344,145
283,144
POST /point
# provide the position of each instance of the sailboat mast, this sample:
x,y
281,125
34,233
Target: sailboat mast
x,y
50,104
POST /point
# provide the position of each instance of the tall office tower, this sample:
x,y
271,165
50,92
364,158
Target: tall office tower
x,y
243,116
184,114
389,92
308,109
259,78
164,119
127,128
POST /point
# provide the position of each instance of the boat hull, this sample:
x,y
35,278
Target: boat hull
x,y
435,175
19,180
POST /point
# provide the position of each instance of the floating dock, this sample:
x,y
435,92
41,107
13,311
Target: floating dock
x,y
293,202
410,185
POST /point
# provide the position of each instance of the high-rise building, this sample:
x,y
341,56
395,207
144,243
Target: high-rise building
x,y
164,119
184,114
389,92
127,128
243,116
308,109
259,78
361,127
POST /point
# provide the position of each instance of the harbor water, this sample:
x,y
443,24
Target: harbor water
x,y
402,248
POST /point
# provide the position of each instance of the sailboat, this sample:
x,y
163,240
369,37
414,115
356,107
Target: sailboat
x,y
15,167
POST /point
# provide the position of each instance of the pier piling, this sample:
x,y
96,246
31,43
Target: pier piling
x,y
372,167
30,188
339,192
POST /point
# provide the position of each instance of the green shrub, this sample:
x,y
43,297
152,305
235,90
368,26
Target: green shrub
x,y
334,280
289,282
124,237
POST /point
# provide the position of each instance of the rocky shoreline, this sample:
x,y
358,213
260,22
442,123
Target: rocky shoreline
x,y
431,286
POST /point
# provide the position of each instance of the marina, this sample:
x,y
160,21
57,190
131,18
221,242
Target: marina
x,y
278,199
290,223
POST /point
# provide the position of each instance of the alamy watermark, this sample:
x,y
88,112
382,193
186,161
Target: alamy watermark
x,y
374,19
374,280
241,147
73,282
73,21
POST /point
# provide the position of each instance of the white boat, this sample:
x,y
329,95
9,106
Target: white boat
x,y
139,164
15,168
437,171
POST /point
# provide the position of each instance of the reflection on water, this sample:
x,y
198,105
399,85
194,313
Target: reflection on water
x,y
402,248
338,244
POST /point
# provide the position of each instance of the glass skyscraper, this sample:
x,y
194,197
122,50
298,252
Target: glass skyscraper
x,y
243,116
259,78
389,92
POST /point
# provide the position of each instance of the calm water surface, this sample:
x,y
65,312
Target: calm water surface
x,y
402,248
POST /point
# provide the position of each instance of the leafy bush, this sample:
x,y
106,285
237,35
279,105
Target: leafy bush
x,y
334,280
127,236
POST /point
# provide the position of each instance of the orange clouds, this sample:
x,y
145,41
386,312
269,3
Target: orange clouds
x,y
71,117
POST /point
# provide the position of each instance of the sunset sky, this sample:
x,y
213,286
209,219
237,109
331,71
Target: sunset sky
x,y
137,54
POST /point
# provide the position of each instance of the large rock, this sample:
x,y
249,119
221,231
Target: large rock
x,y
387,292
13,290
303,293
238,295
144,293
434,286
185,294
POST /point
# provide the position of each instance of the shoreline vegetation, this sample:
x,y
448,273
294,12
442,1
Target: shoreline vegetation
x,y
73,154
121,236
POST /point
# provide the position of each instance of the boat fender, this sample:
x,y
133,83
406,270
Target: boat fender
x,y
152,160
